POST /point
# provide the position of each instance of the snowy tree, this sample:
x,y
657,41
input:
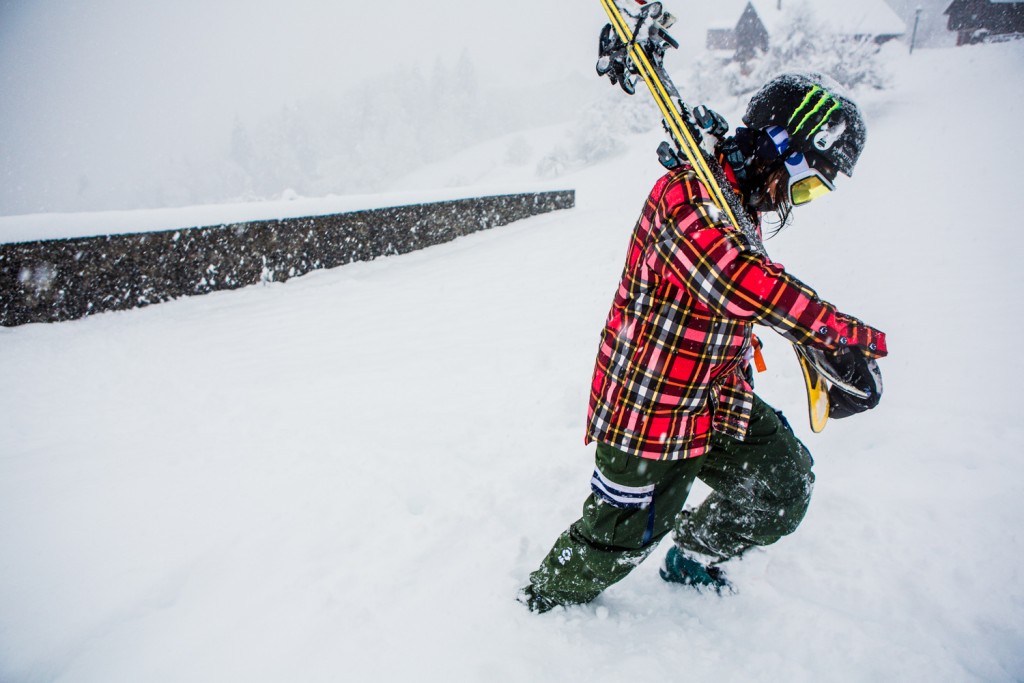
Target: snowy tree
x,y
600,132
801,43
241,145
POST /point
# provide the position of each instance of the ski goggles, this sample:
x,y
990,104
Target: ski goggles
x,y
805,183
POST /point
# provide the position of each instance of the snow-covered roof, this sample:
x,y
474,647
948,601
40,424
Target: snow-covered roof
x,y
723,13
860,17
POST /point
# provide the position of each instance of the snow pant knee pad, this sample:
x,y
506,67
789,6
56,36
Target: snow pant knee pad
x,y
761,489
792,464
634,501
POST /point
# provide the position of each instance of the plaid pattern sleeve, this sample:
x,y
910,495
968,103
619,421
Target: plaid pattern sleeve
x,y
704,256
670,363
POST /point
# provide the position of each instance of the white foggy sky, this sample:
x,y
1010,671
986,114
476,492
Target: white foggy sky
x,y
200,56
111,81
252,52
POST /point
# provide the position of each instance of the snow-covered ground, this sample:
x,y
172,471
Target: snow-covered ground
x,y
349,475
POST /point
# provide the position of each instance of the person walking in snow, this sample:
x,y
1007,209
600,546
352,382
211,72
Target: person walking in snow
x,y
671,399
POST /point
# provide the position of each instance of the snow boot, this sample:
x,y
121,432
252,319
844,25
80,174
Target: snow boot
x,y
534,601
681,568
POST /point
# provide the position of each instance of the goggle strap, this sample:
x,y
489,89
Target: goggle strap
x,y
780,137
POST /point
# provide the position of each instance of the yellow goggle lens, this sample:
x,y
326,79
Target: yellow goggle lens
x,y
808,189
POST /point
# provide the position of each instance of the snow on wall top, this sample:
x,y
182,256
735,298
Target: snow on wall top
x,y
46,226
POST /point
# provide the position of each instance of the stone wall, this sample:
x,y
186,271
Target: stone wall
x,y
54,280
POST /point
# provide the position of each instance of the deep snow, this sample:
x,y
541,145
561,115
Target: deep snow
x,y
347,476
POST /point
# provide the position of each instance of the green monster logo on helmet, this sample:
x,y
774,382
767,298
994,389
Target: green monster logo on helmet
x,y
825,99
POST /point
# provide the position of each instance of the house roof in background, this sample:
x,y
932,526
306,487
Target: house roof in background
x,y
861,17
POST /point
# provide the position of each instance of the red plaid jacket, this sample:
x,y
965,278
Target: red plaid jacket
x,y
671,364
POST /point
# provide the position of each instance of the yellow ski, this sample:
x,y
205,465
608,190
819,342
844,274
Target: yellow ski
x,y
663,90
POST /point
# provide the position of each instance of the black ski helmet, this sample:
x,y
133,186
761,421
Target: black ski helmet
x,y
817,117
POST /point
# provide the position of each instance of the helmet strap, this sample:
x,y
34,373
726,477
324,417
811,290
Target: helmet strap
x,y
780,138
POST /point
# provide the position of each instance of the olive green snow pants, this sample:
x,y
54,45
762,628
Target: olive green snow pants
x,y
761,488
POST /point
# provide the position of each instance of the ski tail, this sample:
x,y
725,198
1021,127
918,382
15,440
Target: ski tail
x,y
817,391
